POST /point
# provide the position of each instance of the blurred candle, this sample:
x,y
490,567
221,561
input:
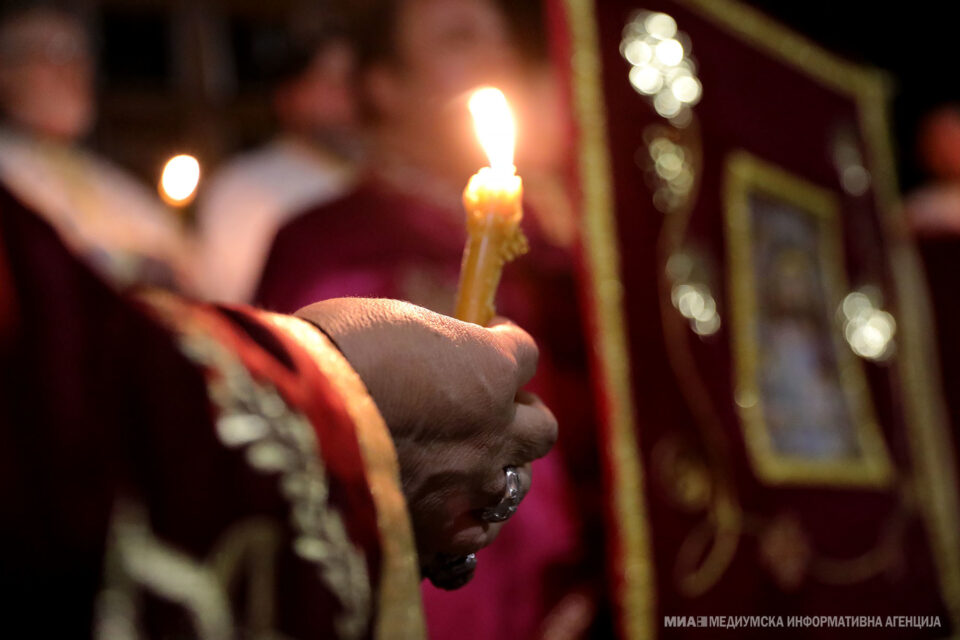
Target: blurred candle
x,y
179,180
492,201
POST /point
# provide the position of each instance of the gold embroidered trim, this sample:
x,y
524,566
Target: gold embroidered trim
x,y
137,561
399,610
637,593
136,558
253,417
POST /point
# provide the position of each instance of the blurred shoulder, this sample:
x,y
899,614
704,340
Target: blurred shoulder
x,y
283,174
122,187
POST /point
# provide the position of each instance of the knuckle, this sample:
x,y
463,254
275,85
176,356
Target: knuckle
x,y
545,433
552,431
526,353
533,351
492,488
468,540
546,444
500,381
519,343
508,369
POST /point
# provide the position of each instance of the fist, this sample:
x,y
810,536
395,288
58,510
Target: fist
x,y
450,394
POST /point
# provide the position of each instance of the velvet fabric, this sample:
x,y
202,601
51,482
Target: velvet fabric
x,y
788,535
100,406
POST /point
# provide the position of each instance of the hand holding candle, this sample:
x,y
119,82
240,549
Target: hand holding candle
x,y
492,200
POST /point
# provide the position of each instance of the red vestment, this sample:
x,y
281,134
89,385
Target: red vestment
x,y
184,470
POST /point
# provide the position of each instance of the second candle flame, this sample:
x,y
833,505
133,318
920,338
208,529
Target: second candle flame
x,y
495,127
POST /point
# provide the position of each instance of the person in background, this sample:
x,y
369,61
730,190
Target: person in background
x,y
400,233
934,209
309,161
47,105
933,215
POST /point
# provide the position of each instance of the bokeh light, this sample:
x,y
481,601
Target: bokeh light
x,y
696,303
179,180
669,53
660,25
672,166
868,329
854,177
661,65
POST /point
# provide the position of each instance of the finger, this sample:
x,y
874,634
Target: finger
x,y
533,431
468,534
526,480
495,487
520,345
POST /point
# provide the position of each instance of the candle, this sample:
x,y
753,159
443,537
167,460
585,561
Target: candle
x,y
492,201
179,180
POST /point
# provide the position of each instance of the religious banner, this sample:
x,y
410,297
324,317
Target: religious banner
x,y
773,424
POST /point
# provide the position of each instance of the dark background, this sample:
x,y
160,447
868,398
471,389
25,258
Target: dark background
x,y
916,42
184,75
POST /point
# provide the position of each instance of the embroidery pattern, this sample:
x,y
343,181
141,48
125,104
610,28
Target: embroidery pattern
x,y
277,440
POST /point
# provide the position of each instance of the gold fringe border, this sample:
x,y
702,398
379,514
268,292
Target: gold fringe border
x,y
399,609
636,598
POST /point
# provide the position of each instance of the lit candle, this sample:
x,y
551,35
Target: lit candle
x,y
492,201
179,180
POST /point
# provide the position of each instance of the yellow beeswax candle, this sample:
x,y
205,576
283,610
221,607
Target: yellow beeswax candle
x,y
492,201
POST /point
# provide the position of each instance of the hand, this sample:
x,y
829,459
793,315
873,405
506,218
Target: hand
x,y
449,392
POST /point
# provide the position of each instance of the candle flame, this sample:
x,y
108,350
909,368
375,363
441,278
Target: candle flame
x,y
179,180
495,127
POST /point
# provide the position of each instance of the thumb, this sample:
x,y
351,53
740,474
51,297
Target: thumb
x,y
519,344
